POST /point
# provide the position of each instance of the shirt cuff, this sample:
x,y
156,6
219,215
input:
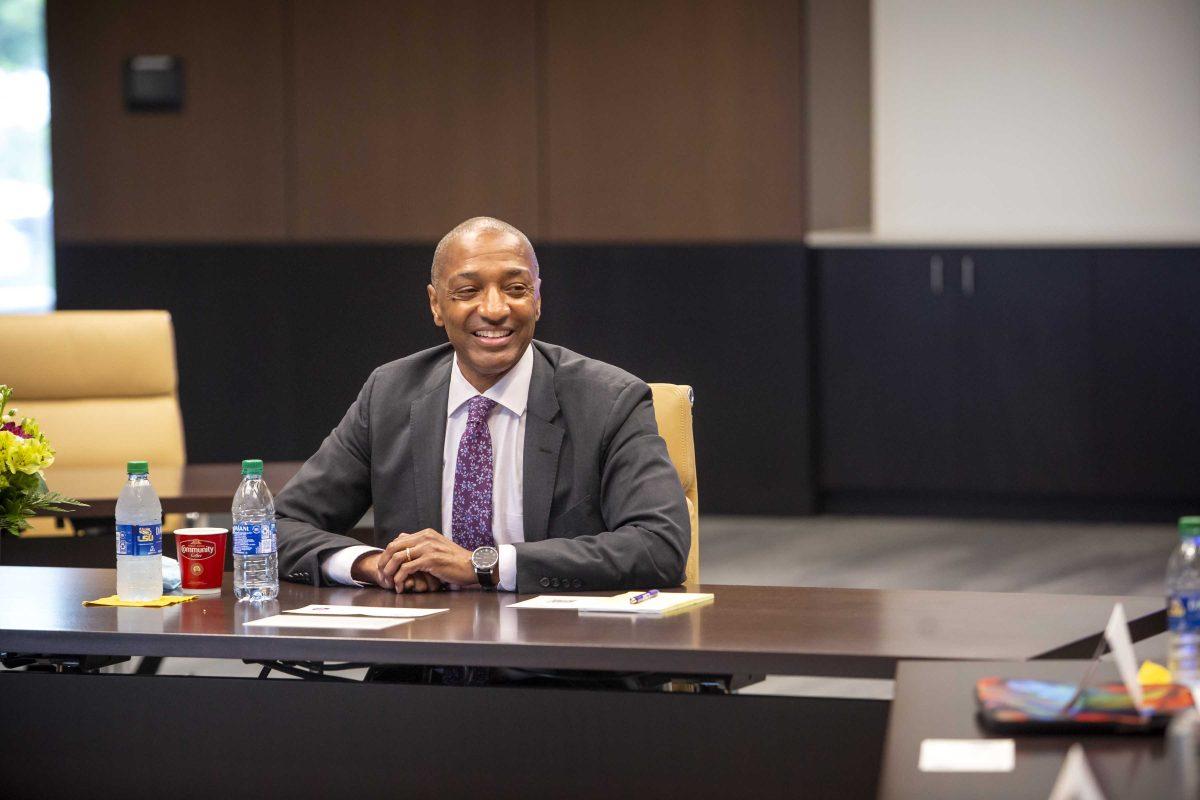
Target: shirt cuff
x,y
508,568
336,568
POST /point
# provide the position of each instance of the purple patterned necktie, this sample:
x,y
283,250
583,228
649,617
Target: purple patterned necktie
x,y
471,523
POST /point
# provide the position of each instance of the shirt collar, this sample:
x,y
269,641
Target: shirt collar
x,y
511,391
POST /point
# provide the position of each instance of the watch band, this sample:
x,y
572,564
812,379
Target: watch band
x,y
488,577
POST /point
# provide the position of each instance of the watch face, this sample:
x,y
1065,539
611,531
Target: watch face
x,y
485,558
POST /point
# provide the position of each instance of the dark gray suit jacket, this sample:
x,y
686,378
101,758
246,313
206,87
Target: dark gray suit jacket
x,y
602,503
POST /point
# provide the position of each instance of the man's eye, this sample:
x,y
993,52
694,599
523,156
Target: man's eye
x,y
518,290
464,292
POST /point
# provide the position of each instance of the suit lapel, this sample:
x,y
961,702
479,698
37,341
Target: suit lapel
x,y
427,427
543,440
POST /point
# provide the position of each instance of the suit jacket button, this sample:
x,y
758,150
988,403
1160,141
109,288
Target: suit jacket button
x,y
554,582
544,581
577,584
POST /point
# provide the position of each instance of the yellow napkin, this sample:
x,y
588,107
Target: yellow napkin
x,y
165,600
1152,674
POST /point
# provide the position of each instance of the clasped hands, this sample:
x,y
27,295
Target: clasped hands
x,y
425,561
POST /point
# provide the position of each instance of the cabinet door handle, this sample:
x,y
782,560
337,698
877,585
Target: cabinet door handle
x,y
968,276
936,278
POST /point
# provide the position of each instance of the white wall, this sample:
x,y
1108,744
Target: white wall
x,y
1038,118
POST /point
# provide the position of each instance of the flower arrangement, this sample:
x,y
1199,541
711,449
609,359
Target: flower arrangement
x,y
24,454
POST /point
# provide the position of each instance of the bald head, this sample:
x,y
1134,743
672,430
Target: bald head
x,y
471,230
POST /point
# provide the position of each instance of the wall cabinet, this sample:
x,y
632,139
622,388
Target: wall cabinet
x,y
1147,350
954,370
885,370
1023,372
1031,375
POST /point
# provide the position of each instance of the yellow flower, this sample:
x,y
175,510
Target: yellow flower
x,y
25,455
9,442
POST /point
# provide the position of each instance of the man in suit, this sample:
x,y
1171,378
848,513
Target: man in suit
x,y
494,460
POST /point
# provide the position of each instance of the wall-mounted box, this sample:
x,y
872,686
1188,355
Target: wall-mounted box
x,y
153,83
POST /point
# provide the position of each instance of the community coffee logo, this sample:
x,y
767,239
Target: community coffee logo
x,y
197,549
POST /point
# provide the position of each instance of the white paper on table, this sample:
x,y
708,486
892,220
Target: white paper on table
x,y
1075,780
326,622
366,611
553,601
1117,635
659,604
967,755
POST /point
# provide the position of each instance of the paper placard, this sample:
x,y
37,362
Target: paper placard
x,y
326,622
1117,635
967,755
366,611
1075,780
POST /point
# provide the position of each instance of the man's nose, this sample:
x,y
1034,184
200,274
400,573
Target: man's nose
x,y
493,305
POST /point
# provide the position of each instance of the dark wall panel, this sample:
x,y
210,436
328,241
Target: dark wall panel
x,y
672,121
213,171
362,121
732,322
410,117
274,342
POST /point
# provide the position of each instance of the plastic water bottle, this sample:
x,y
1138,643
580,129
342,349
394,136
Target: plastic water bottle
x,y
1183,749
1183,604
139,536
255,561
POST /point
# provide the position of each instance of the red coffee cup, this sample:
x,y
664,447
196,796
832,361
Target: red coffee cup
x,y
201,555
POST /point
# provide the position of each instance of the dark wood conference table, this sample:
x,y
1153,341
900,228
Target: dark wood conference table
x,y
193,487
937,701
748,629
528,742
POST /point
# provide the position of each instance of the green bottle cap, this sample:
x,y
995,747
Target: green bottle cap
x,y
252,466
1189,527
138,468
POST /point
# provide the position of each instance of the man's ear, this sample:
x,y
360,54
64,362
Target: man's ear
x,y
433,306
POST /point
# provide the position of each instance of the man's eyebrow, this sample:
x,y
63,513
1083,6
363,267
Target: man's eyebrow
x,y
511,272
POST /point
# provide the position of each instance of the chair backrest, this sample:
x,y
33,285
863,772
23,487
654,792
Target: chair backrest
x,y
673,411
102,384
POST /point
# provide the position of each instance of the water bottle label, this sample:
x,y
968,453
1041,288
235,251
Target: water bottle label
x,y
254,539
1183,614
139,540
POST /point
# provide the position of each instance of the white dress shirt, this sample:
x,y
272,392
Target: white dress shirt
x,y
506,424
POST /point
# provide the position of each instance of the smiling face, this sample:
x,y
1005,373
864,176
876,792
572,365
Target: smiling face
x,y
487,298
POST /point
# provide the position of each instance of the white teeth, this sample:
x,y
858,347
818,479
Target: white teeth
x,y
492,334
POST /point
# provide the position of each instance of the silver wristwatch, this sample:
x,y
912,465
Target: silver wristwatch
x,y
485,559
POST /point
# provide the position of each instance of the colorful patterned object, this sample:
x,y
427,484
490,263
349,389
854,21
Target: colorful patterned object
x,y
24,453
1033,705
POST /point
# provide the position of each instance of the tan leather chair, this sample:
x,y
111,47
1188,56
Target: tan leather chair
x,y
102,385
673,411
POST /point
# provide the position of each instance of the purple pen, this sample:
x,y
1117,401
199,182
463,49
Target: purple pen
x,y
644,596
